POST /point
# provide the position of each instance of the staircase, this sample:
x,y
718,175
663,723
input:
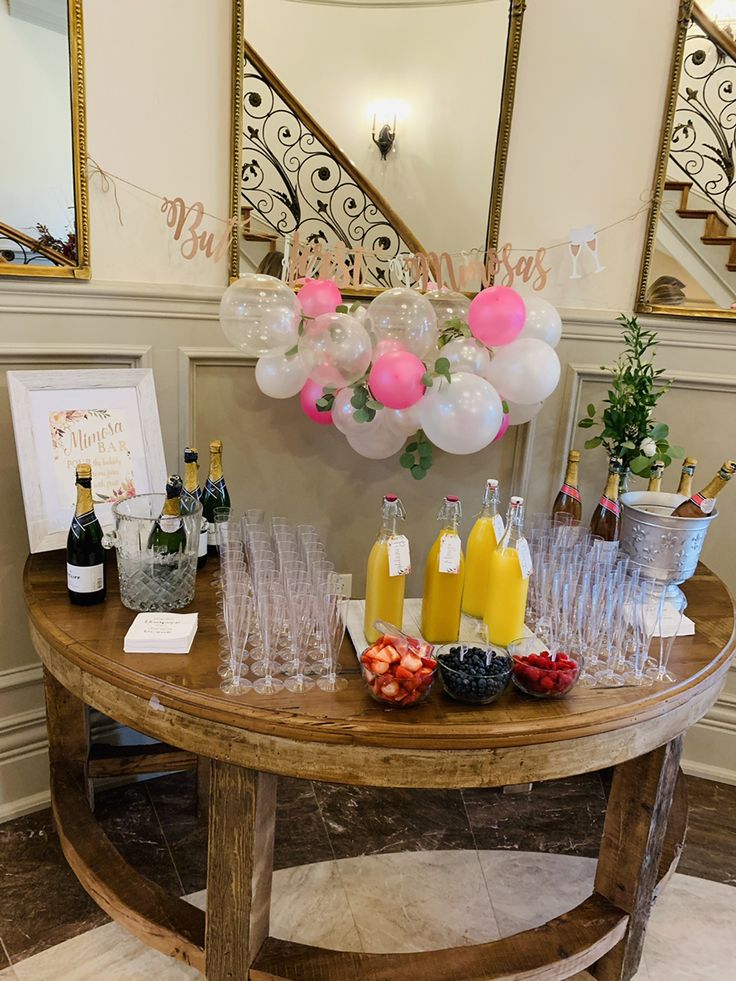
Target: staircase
x,y
716,229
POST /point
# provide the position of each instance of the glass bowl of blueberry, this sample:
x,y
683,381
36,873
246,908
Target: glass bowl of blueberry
x,y
475,673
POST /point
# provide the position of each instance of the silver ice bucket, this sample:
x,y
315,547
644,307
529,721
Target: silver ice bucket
x,y
664,548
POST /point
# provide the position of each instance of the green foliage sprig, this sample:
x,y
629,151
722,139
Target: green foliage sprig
x,y
627,429
417,457
453,328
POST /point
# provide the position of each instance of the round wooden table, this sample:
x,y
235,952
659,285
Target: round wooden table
x,y
347,738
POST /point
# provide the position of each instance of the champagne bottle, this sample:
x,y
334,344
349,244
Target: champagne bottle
x,y
168,534
191,488
85,556
686,477
702,503
605,520
215,494
568,500
655,476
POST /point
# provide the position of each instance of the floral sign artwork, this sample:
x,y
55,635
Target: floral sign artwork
x,y
100,437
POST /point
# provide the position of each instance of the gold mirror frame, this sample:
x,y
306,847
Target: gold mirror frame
x,y
80,270
508,91
686,11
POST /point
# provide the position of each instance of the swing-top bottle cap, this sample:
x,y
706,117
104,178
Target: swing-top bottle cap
x,y
452,498
516,502
492,483
390,498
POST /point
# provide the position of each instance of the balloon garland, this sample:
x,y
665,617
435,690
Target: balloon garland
x,y
412,370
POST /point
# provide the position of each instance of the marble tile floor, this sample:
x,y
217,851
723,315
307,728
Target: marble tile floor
x,y
352,842
412,901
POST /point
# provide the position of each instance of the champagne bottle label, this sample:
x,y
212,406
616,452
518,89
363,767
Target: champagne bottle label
x,y
85,578
706,504
498,528
613,506
571,491
202,541
525,558
169,525
399,559
450,552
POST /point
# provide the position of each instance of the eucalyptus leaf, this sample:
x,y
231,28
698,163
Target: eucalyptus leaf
x,y
407,460
418,473
292,352
586,423
676,452
359,399
659,431
591,410
590,444
412,447
355,306
425,451
640,465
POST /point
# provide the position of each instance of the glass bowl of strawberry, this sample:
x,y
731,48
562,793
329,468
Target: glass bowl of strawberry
x,y
398,671
541,674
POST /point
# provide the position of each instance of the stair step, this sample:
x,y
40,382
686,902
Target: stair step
x,y
717,239
687,213
677,185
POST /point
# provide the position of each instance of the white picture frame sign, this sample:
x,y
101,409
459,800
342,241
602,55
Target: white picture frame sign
x,y
106,417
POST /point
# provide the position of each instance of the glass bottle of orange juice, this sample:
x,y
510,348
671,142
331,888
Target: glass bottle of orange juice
x,y
486,534
389,564
508,580
444,576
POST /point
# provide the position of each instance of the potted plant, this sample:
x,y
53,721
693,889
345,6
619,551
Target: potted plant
x,y
627,429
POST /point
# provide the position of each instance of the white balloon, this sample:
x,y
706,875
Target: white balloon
x,y
462,416
342,414
260,315
378,444
466,354
519,414
280,377
336,342
527,370
403,315
542,321
404,421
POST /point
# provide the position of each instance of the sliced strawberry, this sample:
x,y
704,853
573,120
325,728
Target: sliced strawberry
x,y
391,689
401,672
380,655
429,662
378,667
393,654
411,662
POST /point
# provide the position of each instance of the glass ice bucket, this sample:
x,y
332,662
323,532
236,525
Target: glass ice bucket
x,y
150,578
665,548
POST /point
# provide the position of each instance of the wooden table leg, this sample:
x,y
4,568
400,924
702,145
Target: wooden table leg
x,y
240,867
633,835
67,721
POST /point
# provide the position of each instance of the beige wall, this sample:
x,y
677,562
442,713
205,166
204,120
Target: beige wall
x,y
165,125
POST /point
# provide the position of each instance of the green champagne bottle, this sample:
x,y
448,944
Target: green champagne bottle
x,y
168,534
85,556
215,494
191,488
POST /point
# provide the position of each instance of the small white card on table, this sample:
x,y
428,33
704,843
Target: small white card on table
x,y
161,633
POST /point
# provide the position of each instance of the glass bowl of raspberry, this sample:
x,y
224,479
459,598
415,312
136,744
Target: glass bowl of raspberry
x,y
542,674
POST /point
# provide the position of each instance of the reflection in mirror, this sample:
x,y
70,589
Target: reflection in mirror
x,y
39,195
690,266
374,125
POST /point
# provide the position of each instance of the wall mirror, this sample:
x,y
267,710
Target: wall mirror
x,y
43,191
380,125
689,262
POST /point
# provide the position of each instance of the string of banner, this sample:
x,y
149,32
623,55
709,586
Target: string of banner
x,y
428,270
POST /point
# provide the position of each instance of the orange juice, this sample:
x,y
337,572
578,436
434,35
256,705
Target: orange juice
x,y
388,562
443,591
508,585
481,544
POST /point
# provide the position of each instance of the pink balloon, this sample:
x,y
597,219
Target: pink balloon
x,y
396,379
318,296
504,426
496,316
308,398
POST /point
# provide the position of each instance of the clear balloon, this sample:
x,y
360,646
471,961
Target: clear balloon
x,y
403,315
396,379
542,321
526,371
343,414
281,377
379,443
318,296
336,342
462,416
466,354
519,414
448,305
260,315
496,315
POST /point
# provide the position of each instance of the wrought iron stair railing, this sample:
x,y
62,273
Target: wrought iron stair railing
x,y
19,249
295,178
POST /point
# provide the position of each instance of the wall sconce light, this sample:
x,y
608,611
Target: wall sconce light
x,y
385,137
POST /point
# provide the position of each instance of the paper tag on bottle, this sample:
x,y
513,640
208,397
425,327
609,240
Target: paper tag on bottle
x,y
498,528
85,578
525,558
202,543
399,559
450,552
169,525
